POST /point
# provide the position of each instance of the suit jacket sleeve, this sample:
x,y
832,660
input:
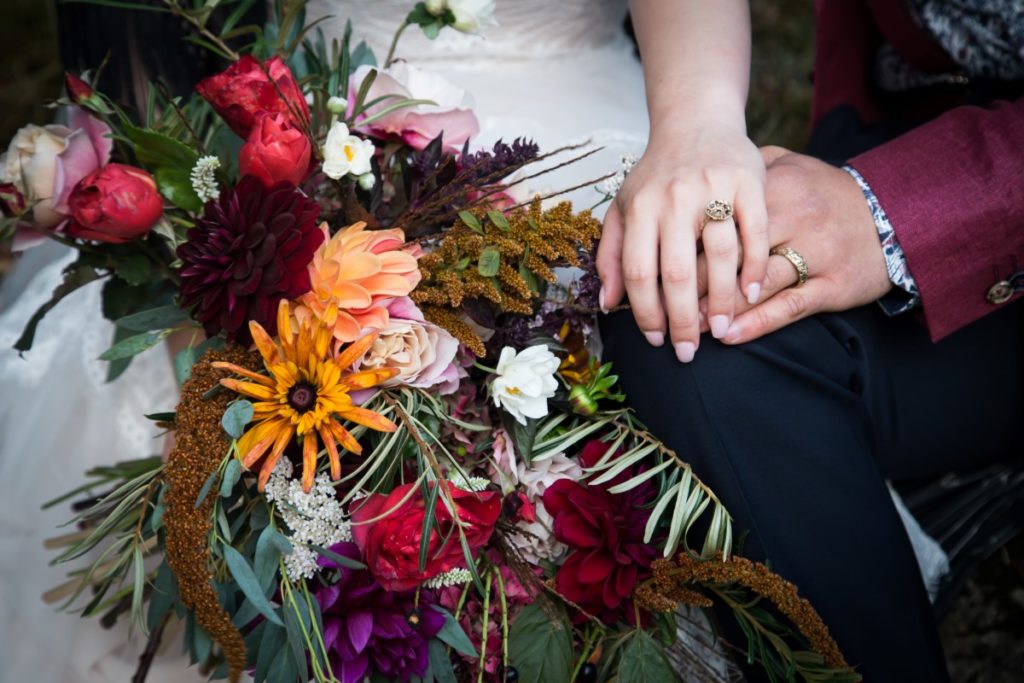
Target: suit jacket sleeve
x,y
953,189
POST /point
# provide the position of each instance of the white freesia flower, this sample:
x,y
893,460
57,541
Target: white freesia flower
x,y
345,153
525,381
470,15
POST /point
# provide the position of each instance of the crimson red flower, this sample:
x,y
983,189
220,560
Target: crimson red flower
x,y
391,545
243,93
249,251
115,204
78,90
275,151
606,534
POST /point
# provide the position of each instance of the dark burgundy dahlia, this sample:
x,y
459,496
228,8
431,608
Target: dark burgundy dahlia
x,y
249,251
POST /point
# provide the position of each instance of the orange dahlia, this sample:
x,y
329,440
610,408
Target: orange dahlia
x,y
354,276
306,396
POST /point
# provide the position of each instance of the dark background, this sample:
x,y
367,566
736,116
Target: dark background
x,y
984,631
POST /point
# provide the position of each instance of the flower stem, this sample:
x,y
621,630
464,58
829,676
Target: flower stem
x,y
394,43
483,628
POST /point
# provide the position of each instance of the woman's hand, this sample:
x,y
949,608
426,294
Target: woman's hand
x,y
649,244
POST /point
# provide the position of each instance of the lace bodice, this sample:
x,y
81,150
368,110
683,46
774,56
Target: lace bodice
x,y
525,29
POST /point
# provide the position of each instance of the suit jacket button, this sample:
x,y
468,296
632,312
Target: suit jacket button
x,y
1000,293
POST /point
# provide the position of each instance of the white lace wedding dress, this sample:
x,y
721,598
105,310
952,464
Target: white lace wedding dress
x,y
557,72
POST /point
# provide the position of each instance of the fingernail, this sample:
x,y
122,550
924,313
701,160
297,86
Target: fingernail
x,y
753,293
600,300
733,334
655,338
719,326
685,351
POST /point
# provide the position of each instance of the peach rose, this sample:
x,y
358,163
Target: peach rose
x,y
422,352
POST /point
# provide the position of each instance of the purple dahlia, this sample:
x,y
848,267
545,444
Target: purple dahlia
x,y
249,251
370,630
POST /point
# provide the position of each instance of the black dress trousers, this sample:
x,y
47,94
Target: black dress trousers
x,y
797,433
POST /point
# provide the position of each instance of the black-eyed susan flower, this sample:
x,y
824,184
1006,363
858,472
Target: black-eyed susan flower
x,y
306,396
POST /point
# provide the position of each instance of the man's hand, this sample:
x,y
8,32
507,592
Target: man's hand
x,y
819,211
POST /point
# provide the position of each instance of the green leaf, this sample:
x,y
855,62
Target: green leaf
x,y
231,474
183,362
175,184
539,646
161,151
428,524
336,558
134,345
161,417
246,580
440,665
75,276
159,318
135,269
531,280
452,634
490,261
207,485
163,597
498,218
296,621
117,367
471,221
236,417
271,643
643,661
266,558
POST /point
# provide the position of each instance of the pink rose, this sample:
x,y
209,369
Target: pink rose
x,y
45,163
451,112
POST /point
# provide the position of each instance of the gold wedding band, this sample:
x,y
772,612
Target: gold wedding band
x,y
794,257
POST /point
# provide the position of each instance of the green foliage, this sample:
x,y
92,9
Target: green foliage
x,y
643,661
539,644
238,414
76,275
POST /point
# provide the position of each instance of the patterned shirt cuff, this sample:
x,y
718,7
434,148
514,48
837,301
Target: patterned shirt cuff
x,y
905,296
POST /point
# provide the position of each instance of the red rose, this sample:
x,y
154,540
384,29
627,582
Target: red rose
x,y
78,90
116,203
391,545
275,151
243,93
606,533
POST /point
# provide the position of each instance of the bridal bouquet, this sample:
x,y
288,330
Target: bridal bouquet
x,y
396,455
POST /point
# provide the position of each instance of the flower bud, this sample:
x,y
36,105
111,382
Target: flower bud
x,y
337,105
436,7
581,400
12,201
78,90
366,181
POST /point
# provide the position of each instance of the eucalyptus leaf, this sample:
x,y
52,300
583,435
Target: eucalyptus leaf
x,y
246,580
207,485
440,664
238,414
76,275
231,474
183,362
134,345
159,318
452,634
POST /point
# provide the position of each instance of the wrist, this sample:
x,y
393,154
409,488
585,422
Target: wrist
x,y
715,108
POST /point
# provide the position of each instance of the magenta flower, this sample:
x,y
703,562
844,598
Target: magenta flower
x,y
370,630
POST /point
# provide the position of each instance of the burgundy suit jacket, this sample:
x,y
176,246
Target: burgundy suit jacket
x,y
953,188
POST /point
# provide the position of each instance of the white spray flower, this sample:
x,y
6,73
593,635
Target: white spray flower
x,y
525,381
345,153
204,178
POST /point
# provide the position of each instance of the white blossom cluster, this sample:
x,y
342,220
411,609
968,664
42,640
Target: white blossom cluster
x,y
474,484
453,577
611,186
314,518
204,178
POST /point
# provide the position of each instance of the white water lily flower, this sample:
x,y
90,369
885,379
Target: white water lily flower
x,y
345,153
525,381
